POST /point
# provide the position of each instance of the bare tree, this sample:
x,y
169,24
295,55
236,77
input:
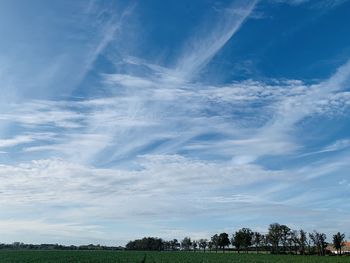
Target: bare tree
x,y
302,240
293,241
319,240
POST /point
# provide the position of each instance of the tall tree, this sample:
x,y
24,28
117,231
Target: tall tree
x,y
186,243
237,240
247,238
319,241
265,242
203,243
223,241
174,244
338,241
242,239
210,245
302,241
257,240
194,245
274,236
167,245
293,241
285,236
215,242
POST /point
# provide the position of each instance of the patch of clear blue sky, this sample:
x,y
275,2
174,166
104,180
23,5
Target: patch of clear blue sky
x,y
287,41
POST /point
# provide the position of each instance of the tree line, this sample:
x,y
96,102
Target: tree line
x,y
23,246
280,239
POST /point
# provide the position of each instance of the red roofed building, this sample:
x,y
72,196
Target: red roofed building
x,y
344,250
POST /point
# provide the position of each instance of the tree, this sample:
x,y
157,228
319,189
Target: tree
x,y
186,243
242,238
285,236
146,243
210,245
293,241
194,245
166,245
319,240
215,242
203,243
247,238
338,241
265,242
236,241
302,241
257,240
223,241
174,244
274,236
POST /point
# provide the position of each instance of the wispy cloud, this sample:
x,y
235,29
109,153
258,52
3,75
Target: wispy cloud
x,y
15,141
333,147
201,48
313,4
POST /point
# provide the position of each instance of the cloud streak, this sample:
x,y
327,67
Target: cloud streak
x,y
200,50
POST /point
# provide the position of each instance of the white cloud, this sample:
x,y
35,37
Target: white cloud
x,y
177,114
336,146
81,198
200,49
32,227
314,4
15,141
56,181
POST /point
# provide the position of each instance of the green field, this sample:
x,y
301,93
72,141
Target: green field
x,y
154,257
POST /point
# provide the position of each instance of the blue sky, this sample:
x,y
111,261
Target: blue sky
x,y
123,119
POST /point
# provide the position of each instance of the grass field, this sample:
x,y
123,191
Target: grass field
x,y
154,257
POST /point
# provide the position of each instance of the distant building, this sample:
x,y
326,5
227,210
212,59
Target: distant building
x,y
344,250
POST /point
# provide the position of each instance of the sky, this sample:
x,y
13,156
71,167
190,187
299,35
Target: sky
x,y
123,119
